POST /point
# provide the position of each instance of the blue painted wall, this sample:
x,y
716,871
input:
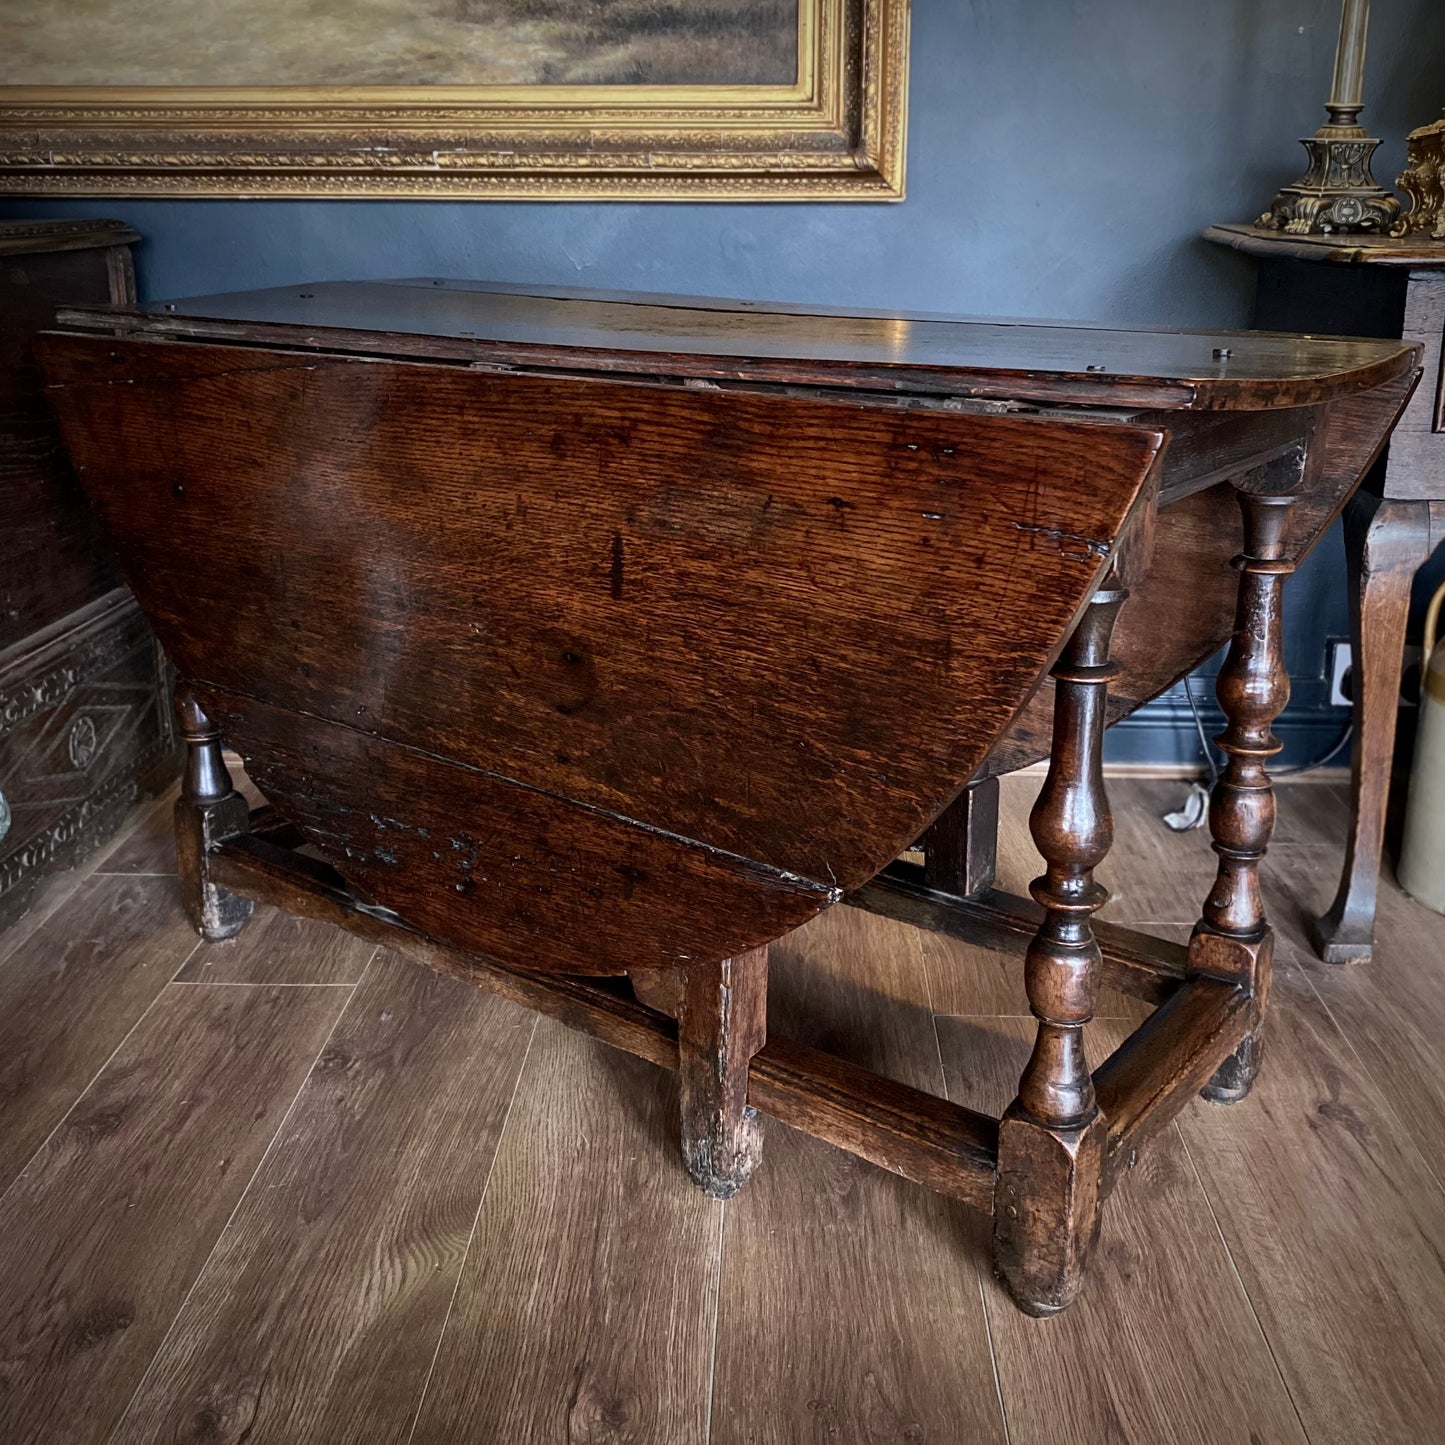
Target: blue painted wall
x,y
1063,157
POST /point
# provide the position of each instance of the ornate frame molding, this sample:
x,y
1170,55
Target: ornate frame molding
x,y
837,134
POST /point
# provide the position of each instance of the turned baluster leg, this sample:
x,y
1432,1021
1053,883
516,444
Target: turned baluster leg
x,y
721,1024
1046,1206
208,810
1232,938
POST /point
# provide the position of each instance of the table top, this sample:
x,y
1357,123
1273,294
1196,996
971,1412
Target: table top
x,y
587,676
711,338
1412,253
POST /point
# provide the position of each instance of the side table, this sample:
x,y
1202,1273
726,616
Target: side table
x,y
1383,287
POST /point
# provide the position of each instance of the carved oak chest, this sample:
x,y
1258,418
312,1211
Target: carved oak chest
x,y
84,717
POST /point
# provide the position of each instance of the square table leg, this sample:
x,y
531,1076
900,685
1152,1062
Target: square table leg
x,y
960,850
721,1023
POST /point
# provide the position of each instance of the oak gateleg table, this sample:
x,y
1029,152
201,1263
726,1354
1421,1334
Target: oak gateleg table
x,y
583,645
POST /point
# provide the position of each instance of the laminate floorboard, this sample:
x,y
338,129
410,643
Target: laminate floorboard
x,y
850,1298
1336,1226
150,845
445,1243
585,1310
317,1317
275,947
1139,1356
71,992
109,1225
1392,1012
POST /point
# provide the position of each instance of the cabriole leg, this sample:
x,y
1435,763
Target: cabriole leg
x,y
721,1024
208,811
1232,938
1385,544
1050,1165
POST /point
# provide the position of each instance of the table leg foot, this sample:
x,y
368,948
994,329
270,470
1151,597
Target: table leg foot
x,y
208,811
721,1157
1341,936
1237,1073
1046,1209
721,1024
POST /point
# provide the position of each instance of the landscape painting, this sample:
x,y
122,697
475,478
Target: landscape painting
x,y
783,100
398,42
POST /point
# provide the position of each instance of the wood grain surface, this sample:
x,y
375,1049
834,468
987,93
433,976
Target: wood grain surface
x,y
1407,253
586,1309
56,560
1182,610
316,1318
1130,1360
1345,1320
674,608
71,993
797,1359
110,1223
275,947
1317,1180
149,846
1392,1011
513,873
709,337
1417,451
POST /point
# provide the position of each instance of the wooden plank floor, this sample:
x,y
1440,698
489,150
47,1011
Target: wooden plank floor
x,y
292,1189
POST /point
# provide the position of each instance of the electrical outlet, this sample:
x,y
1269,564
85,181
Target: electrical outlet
x,y
1340,658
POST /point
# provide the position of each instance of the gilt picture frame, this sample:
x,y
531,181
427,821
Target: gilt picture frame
x,y
835,130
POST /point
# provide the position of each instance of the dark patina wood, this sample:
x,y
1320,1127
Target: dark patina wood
x,y
706,338
1369,286
578,636
1232,939
722,1022
602,609
1385,544
1051,1137
960,849
85,719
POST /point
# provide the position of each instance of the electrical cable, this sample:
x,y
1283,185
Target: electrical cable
x,y
1192,812
1293,772
1204,746
1319,762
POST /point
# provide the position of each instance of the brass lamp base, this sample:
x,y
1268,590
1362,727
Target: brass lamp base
x,y
1338,192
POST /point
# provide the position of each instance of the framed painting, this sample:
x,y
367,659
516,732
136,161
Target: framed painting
x,y
525,99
